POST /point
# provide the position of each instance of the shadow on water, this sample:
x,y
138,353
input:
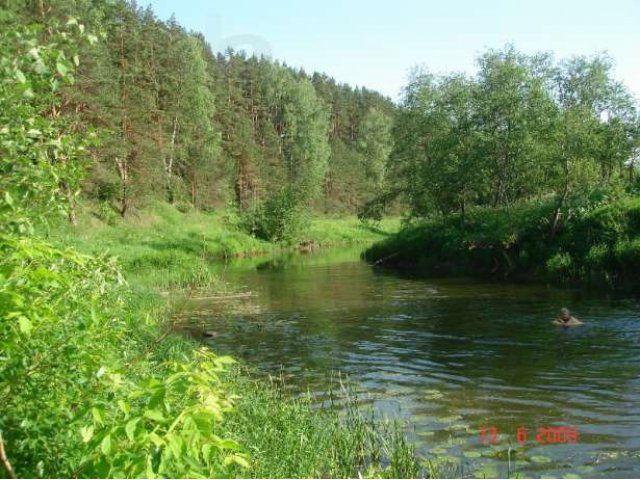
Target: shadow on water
x,y
448,355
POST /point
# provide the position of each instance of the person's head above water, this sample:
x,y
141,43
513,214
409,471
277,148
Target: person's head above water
x,y
565,314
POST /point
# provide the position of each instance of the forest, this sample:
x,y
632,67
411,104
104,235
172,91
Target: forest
x,y
210,128
133,156
527,169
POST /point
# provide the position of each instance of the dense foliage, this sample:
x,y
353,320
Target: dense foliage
x,y
200,129
80,394
523,127
93,380
597,244
527,168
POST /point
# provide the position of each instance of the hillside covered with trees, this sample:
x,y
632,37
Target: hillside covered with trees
x,y
200,129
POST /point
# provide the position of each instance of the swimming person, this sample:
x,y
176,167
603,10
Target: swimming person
x,y
566,319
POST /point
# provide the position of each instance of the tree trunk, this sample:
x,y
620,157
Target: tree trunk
x,y
169,164
194,189
71,198
240,184
123,164
563,197
123,171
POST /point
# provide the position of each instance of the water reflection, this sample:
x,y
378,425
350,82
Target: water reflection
x,y
450,355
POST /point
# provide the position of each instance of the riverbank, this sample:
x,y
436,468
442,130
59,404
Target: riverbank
x,y
165,248
594,244
107,389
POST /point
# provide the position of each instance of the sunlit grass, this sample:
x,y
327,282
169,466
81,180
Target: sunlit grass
x,y
294,438
164,251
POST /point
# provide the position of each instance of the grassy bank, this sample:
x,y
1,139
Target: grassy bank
x,y
594,244
95,383
163,247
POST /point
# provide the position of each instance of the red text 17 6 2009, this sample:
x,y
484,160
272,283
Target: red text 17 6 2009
x,y
543,435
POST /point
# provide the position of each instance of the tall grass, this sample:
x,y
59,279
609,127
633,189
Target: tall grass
x,y
296,438
165,251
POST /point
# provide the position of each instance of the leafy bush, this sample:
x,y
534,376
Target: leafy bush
x,y
627,254
184,207
281,218
560,266
39,171
372,212
233,219
76,378
633,216
599,257
106,213
82,388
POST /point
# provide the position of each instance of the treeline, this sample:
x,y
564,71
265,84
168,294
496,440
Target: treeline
x,y
527,169
181,123
523,127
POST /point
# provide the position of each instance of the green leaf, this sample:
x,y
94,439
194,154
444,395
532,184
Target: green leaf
x,y
206,451
130,428
76,60
97,415
25,325
230,445
472,454
155,438
157,396
20,76
488,470
105,445
124,406
62,69
540,459
156,458
174,442
225,360
86,433
155,415
203,421
8,198
238,459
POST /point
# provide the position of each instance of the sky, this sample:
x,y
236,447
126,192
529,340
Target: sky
x,y
375,43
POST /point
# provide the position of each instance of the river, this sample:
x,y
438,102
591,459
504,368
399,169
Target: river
x,y
466,363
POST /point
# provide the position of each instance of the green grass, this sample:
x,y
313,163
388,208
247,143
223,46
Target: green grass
x,y
165,251
164,248
597,243
290,438
330,231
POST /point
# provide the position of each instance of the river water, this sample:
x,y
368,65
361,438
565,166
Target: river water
x,y
455,358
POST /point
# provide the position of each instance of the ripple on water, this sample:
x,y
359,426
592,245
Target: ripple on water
x,y
451,355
